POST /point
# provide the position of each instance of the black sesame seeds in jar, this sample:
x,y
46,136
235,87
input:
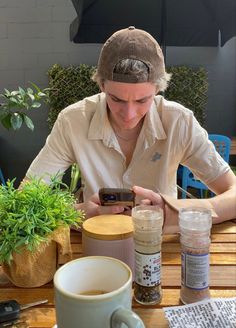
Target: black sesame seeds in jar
x,y
147,222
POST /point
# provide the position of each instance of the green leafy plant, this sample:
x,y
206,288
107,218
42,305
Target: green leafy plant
x,y
29,214
16,103
75,177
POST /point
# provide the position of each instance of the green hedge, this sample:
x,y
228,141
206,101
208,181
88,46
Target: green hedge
x,y
67,85
189,87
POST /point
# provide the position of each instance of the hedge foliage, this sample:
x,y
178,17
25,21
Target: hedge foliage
x,y
189,86
68,85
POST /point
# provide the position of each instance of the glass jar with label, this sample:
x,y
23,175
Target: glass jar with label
x,y
195,227
147,222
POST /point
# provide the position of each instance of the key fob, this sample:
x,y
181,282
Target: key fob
x,y
9,310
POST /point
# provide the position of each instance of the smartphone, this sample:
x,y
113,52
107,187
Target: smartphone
x,y
117,196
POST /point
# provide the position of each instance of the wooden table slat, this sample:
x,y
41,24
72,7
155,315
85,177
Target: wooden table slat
x,y
214,248
175,258
170,296
215,238
226,227
233,146
220,276
175,248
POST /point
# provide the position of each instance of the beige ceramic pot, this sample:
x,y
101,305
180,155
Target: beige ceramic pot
x,y
109,235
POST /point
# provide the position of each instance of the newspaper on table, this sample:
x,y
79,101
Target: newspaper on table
x,y
211,313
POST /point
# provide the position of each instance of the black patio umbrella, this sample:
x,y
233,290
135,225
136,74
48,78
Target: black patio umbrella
x,y
171,22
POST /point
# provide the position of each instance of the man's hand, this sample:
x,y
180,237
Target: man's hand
x,y
149,197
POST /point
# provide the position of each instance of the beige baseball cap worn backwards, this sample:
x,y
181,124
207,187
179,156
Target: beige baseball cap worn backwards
x,y
131,43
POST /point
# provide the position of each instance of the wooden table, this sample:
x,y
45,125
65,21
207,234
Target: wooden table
x,y
233,146
223,279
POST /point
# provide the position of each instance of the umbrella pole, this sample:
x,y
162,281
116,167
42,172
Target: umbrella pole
x,y
163,27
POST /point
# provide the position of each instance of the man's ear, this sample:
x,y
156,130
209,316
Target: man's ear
x,y
101,86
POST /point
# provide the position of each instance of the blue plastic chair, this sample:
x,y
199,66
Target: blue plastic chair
x,y
222,145
2,177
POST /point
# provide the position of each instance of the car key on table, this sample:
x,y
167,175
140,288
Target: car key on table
x,y
10,310
15,323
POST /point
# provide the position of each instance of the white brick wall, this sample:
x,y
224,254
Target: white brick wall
x,y
34,34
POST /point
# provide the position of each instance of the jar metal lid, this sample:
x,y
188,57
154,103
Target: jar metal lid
x,y
108,227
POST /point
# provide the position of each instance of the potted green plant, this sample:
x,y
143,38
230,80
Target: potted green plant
x,y
35,224
15,105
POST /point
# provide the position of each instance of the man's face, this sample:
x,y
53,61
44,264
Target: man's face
x,y
128,102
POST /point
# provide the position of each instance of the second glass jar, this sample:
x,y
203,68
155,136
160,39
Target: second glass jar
x,y
195,227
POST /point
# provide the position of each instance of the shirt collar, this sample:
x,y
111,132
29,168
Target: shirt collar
x,y
153,128
100,127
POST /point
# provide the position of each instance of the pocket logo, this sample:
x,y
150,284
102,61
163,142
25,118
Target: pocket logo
x,y
156,157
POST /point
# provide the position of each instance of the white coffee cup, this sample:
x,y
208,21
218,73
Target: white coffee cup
x,y
94,292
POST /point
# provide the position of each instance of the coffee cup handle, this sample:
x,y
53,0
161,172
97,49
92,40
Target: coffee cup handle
x,y
128,317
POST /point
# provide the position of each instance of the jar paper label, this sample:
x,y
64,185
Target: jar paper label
x,y
195,271
148,269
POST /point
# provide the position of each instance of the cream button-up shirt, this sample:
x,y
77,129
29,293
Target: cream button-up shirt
x,y
170,135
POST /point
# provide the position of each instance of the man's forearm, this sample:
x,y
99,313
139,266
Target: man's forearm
x,y
225,205
172,207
